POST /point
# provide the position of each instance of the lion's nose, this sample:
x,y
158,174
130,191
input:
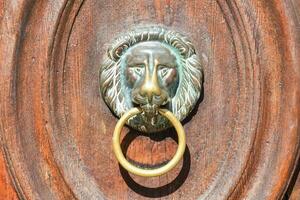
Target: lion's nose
x,y
150,89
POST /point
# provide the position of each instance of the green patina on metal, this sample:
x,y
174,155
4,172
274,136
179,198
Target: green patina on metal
x,y
151,67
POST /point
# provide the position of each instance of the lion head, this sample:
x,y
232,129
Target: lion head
x,y
151,67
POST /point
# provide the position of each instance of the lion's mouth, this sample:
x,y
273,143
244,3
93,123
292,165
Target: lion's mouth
x,y
150,105
150,109
150,113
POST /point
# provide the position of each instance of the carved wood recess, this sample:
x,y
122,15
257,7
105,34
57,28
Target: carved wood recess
x,y
242,138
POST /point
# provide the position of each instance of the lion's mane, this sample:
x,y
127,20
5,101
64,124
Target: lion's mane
x,y
190,78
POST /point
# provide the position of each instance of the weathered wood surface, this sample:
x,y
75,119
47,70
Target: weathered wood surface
x,y
293,192
243,137
295,195
6,187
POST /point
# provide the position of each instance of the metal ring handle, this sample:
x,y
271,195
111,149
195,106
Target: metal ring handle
x,y
149,172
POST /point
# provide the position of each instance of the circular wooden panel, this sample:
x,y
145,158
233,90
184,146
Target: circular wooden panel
x,y
242,137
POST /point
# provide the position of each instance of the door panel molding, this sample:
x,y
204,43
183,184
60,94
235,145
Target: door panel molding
x,y
56,130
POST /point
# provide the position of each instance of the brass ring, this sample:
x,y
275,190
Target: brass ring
x,y
149,172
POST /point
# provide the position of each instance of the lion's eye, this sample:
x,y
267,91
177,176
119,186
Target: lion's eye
x,y
164,70
138,69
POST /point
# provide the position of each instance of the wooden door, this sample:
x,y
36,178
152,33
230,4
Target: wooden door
x,y
242,137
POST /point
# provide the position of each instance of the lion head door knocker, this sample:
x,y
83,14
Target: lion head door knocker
x,y
151,78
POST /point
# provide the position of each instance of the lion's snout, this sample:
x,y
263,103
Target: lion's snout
x,y
152,100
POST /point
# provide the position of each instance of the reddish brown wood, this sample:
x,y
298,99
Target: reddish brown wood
x,y
293,192
6,188
295,195
243,137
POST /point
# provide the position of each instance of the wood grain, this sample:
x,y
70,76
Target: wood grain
x,y
293,192
7,190
295,195
243,137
